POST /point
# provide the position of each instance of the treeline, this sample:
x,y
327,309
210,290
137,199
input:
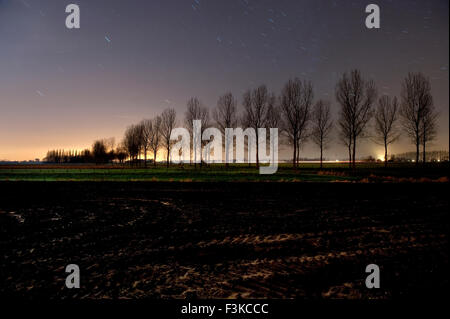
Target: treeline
x,y
102,151
300,118
64,156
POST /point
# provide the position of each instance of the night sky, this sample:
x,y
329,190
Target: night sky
x,y
62,88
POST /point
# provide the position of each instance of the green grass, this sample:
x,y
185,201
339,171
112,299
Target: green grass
x,y
308,172
158,174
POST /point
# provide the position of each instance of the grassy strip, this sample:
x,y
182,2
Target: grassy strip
x,y
306,173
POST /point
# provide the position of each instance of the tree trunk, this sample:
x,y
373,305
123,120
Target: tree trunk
x,y
354,152
321,155
424,150
350,155
385,153
154,158
257,149
295,154
417,151
168,155
145,157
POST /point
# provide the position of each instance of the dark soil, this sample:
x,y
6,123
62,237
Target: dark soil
x,y
222,240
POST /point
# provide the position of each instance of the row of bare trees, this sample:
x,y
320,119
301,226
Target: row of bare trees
x,y
150,135
416,113
299,118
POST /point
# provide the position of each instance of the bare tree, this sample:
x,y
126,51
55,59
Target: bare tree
x,y
296,100
256,103
306,103
121,153
322,126
99,151
273,114
155,137
345,135
273,120
196,111
416,99
428,127
147,131
139,132
225,115
386,116
356,97
110,143
168,122
289,99
133,141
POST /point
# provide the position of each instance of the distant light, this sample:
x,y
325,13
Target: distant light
x,y
337,160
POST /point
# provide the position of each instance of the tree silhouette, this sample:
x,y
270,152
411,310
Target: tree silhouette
x,y
155,137
417,103
296,100
225,116
168,122
256,103
386,116
196,111
322,126
356,97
